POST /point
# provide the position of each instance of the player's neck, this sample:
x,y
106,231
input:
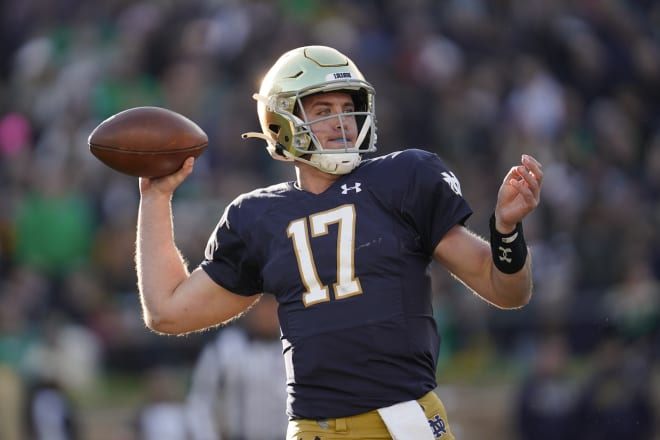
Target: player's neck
x,y
312,179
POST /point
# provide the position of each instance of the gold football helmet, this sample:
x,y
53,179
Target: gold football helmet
x,y
302,72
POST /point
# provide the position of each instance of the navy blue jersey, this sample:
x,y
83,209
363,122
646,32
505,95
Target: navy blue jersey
x,y
349,268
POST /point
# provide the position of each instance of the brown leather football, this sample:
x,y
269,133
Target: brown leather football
x,y
147,141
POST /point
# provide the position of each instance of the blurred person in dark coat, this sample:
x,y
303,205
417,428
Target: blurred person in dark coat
x,y
617,401
547,400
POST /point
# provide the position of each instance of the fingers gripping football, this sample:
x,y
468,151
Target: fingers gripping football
x,y
167,184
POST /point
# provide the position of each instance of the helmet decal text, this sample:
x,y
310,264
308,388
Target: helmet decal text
x,y
338,75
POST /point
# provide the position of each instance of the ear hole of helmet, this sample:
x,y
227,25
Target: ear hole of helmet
x,y
279,149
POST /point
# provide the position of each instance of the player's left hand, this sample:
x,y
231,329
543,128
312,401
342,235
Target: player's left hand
x,y
519,194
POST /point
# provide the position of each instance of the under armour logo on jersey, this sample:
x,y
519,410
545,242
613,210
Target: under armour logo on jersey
x,y
345,188
438,426
452,181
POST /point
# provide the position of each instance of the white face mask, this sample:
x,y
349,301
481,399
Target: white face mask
x,y
303,143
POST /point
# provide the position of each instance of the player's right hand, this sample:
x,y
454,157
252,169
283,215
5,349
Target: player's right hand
x,y
167,184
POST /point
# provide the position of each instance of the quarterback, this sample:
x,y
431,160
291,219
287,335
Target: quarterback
x,y
344,248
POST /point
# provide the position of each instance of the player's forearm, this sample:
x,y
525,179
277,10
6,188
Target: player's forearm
x,y
159,265
511,274
514,290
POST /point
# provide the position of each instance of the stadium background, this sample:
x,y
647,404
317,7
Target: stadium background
x,y
575,83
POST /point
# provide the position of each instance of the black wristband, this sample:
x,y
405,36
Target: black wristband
x,y
510,250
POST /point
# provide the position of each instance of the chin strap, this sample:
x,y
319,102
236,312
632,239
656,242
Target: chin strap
x,y
341,163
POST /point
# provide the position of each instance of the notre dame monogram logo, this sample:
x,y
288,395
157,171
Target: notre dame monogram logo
x,y
437,426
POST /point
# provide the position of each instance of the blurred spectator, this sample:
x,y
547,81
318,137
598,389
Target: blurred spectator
x,y
66,354
633,306
54,223
546,404
236,391
51,414
15,134
11,404
162,415
18,294
617,400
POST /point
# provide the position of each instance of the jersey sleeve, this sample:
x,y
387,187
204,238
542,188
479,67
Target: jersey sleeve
x,y
228,259
433,200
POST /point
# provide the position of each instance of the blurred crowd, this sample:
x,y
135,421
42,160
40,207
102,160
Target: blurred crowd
x,y
574,83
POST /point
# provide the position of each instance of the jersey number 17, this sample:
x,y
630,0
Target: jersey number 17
x,y
302,230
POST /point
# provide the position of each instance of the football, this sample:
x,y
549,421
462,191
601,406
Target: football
x,y
147,141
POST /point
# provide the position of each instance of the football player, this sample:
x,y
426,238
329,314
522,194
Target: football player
x,y
344,248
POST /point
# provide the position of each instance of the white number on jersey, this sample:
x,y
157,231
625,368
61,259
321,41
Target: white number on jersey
x,y
346,285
